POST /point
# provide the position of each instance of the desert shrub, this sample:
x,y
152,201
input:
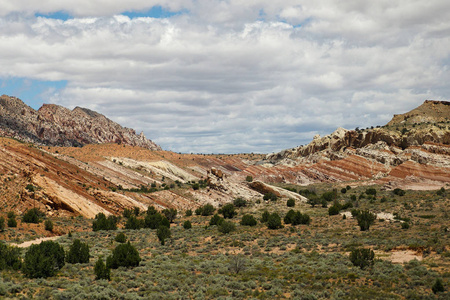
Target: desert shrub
x,y
124,255
441,192
187,224
237,264
371,191
153,221
248,220
265,216
228,211
101,222
249,178
365,218
343,190
78,253
226,227
313,200
383,199
163,233
9,257
11,214
437,286
12,222
101,271
296,218
290,203
2,224
290,215
151,210
347,205
405,225
240,202
362,257
48,224
216,220
270,196
399,192
170,214
353,198
134,223
334,210
274,221
329,196
127,213
43,260
121,238
205,210
188,213
33,215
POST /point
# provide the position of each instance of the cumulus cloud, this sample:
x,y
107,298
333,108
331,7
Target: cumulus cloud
x,y
233,76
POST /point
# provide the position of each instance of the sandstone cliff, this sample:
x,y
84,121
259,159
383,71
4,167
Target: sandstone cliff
x,y
58,126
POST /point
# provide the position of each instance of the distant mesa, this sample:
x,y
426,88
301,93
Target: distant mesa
x,y
54,125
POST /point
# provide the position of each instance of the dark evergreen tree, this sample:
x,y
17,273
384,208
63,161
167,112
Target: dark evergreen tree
x,y
43,260
101,270
124,255
78,253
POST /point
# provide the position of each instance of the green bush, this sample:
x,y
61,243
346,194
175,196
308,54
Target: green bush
x,y
188,213
153,221
78,253
362,257
365,218
187,224
134,223
270,196
170,214
371,191
33,215
290,203
438,287
101,270
163,233
296,217
9,257
12,222
124,255
265,216
334,210
121,238
329,196
405,225
151,210
205,210
228,211
226,227
48,224
2,224
399,192
274,221
216,220
240,202
101,222
248,220
343,190
249,178
43,260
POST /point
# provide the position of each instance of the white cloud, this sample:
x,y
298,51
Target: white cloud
x,y
232,76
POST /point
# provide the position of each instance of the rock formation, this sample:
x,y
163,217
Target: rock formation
x,y
55,125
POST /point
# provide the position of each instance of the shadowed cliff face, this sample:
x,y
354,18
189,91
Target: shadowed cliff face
x,y
58,126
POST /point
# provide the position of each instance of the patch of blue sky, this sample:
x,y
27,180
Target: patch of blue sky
x,y
33,92
155,12
59,15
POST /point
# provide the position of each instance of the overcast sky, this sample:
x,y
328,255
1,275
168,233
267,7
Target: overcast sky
x,y
228,76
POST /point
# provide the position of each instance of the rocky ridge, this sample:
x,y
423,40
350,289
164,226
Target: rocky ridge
x,y
55,125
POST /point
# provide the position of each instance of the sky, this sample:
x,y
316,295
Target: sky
x,y
215,76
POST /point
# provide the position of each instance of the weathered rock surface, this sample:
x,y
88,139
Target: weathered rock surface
x,y
58,126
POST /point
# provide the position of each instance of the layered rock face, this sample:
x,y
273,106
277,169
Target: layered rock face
x,y
55,125
414,144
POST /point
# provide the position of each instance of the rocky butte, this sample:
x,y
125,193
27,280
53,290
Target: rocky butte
x,y
55,125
